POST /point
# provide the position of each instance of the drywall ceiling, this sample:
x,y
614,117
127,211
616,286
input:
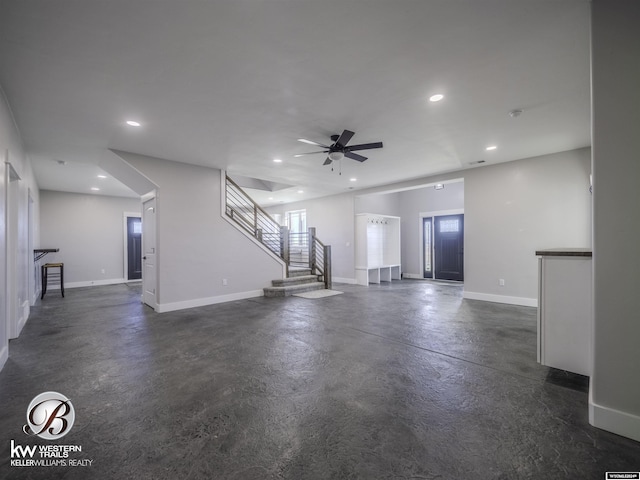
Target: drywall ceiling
x,y
233,84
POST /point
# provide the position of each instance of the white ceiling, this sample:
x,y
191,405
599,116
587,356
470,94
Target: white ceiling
x,y
234,83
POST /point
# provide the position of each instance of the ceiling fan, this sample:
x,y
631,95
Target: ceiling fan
x,y
339,148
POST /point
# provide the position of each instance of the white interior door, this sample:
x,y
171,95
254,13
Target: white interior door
x,y
149,258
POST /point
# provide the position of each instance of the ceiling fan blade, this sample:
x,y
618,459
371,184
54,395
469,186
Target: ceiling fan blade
x,y
365,146
310,153
304,140
327,161
354,156
344,138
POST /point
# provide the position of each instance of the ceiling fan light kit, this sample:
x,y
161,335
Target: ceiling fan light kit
x,y
339,149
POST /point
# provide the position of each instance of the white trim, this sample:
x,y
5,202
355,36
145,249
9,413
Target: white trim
x,y
442,213
616,421
4,356
147,197
488,297
89,283
26,309
350,281
415,276
201,302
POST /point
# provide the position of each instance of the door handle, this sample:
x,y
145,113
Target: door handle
x,y
144,258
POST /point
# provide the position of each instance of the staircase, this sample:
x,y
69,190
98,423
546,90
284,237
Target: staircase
x,y
307,259
299,280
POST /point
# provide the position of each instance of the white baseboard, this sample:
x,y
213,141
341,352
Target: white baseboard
x,y
26,311
351,281
615,421
414,276
488,297
201,302
89,283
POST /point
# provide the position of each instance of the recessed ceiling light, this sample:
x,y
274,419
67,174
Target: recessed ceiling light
x,y
300,191
270,198
436,98
102,176
353,179
277,160
95,189
491,147
133,123
438,186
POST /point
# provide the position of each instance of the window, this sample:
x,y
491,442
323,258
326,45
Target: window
x,y
449,225
428,246
296,220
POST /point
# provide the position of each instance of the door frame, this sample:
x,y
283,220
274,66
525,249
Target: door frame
x,y
433,214
145,226
125,270
439,237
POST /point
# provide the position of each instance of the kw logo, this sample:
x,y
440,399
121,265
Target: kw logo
x,y
18,451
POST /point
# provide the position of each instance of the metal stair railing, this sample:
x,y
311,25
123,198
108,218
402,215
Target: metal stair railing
x,y
301,249
241,208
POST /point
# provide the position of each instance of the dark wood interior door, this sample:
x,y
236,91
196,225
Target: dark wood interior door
x,y
449,247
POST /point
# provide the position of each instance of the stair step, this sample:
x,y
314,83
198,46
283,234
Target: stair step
x,y
299,279
298,272
289,290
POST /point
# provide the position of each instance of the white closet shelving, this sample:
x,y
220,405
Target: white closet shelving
x,y
377,248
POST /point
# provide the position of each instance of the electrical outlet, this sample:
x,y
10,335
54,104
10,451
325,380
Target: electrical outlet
x,y
224,281
501,282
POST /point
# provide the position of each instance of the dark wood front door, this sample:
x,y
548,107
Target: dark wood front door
x,y
134,248
449,247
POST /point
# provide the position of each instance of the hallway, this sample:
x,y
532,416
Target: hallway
x,y
399,380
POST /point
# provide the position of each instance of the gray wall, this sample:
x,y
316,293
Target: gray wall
x,y
18,232
380,203
197,247
615,389
511,210
423,200
89,231
333,218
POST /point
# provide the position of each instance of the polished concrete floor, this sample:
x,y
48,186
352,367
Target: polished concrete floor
x,y
405,380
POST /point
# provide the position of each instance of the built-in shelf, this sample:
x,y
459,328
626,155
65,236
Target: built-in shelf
x,y
377,248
